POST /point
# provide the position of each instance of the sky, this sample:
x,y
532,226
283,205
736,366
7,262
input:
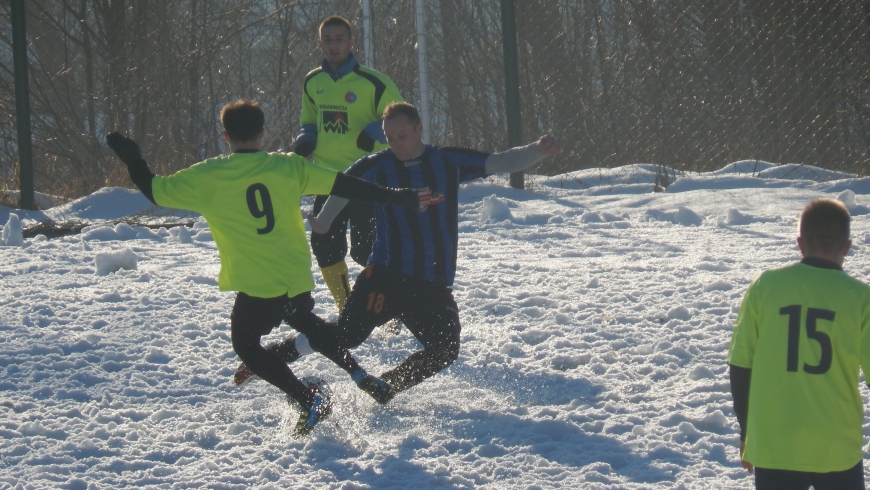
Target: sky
x,y
596,316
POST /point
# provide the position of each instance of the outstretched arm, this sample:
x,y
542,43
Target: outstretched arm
x,y
321,222
522,157
347,187
129,153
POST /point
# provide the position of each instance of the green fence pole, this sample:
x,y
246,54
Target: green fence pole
x,y
22,106
511,82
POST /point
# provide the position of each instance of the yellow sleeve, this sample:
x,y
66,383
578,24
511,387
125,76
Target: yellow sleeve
x,y
744,338
314,179
309,109
391,94
865,341
185,189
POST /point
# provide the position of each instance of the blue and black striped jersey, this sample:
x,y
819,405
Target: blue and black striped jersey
x,y
421,244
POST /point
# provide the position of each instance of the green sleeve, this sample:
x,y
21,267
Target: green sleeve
x,y
744,339
865,341
391,94
309,110
185,189
314,179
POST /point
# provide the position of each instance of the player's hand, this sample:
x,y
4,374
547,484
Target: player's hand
x,y
365,142
408,198
746,464
316,226
548,145
126,149
304,148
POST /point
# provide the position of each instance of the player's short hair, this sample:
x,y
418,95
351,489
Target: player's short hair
x,y
243,119
396,109
824,226
335,20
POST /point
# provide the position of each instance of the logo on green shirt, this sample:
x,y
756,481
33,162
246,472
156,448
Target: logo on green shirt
x,y
335,122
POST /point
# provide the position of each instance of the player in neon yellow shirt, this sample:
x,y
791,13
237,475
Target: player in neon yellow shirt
x,y
340,123
250,200
802,333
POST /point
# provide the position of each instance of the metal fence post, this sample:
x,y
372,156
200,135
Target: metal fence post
x,y
22,106
511,82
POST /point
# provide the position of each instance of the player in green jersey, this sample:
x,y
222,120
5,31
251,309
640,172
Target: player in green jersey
x,y
250,200
802,333
342,106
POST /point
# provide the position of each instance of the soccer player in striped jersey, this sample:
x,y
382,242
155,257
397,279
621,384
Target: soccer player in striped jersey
x,y
250,200
413,259
802,333
342,104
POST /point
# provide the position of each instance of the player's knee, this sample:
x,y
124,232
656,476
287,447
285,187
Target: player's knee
x,y
351,340
360,255
245,345
448,353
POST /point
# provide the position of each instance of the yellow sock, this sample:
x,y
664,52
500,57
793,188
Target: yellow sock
x,y
335,277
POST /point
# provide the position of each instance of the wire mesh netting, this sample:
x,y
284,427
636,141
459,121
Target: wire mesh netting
x,y
683,86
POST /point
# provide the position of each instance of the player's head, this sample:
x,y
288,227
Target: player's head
x,y
336,40
824,230
404,130
243,121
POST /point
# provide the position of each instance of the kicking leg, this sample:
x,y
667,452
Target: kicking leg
x,y
251,319
434,321
373,301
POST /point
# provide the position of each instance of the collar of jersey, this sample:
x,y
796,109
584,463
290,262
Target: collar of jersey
x,y
821,263
343,69
246,151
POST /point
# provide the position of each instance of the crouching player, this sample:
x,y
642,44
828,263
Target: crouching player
x,y
250,200
801,335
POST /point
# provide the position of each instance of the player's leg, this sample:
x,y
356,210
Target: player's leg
x,y
851,479
329,249
376,297
434,319
252,318
362,230
769,479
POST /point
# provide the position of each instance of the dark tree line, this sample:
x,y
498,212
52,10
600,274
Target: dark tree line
x,y
691,84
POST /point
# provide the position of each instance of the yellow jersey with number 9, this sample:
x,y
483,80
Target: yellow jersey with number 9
x,y
251,204
804,331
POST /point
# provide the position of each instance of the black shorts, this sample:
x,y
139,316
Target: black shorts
x,y
851,479
330,248
253,317
381,293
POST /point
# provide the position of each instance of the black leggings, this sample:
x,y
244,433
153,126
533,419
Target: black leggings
x,y
851,479
331,248
428,311
254,317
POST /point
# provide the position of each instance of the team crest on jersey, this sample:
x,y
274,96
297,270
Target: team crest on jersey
x,y
350,97
428,198
335,122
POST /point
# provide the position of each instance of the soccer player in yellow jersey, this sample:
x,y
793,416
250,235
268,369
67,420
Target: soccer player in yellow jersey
x,y
801,335
250,200
342,104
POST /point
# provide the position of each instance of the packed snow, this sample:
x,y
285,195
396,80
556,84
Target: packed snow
x,y
596,316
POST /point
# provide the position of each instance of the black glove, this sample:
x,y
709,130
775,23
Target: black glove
x,y
407,198
126,149
365,142
304,149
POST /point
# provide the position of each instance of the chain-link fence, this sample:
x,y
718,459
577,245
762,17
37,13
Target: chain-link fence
x,y
691,85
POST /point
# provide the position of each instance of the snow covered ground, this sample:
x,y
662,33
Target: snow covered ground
x,y
596,319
